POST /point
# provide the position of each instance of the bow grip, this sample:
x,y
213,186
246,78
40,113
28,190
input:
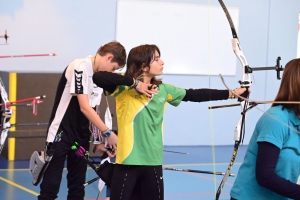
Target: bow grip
x,y
245,95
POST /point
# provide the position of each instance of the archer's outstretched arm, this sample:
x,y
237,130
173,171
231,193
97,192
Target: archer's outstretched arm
x,y
200,95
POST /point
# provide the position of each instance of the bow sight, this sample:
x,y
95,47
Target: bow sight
x,y
277,68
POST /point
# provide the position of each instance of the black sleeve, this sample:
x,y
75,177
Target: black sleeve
x,y
109,81
199,95
267,157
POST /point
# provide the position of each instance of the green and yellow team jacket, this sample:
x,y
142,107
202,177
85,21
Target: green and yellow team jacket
x,y
140,123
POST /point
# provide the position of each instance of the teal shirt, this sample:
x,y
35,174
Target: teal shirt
x,y
278,127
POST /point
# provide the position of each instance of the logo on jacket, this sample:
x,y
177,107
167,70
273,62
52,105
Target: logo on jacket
x,y
162,100
78,82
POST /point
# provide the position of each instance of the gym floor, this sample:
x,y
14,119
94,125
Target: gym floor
x,y
15,180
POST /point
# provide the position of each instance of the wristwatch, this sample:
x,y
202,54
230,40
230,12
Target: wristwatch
x,y
135,83
107,133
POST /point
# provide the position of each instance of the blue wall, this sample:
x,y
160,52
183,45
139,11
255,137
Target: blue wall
x,y
267,29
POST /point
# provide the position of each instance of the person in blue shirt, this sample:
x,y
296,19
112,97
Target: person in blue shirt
x,y
271,166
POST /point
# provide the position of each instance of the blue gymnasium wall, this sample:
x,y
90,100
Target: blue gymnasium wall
x,y
71,29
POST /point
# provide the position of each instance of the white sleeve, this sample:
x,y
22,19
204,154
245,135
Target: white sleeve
x,y
79,79
96,95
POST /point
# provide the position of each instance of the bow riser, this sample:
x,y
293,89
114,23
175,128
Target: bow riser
x,y
246,78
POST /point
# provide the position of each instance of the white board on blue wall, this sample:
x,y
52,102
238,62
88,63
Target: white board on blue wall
x,y
193,39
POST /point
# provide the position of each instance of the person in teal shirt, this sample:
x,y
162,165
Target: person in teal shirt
x,y
271,166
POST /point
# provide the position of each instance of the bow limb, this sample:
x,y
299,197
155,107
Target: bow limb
x,y
246,78
3,137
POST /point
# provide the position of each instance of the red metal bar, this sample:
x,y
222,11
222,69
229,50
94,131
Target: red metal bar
x,y
27,99
28,55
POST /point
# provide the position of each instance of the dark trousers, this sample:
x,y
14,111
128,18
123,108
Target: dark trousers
x,y
133,182
76,167
232,198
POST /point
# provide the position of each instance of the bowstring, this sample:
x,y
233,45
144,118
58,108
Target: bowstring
x,y
212,130
266,112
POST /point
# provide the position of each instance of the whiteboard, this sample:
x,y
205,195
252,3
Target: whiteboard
x,y
193,39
